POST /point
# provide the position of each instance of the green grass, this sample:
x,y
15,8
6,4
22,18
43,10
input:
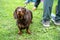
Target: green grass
x,y
9,29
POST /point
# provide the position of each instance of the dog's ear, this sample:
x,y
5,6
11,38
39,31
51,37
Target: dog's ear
x,y
15,14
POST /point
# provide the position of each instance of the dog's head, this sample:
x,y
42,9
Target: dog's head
x,y
19,12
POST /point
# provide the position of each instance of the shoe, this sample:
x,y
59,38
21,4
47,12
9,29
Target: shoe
x,y
53,20
56,22
34,8
46,23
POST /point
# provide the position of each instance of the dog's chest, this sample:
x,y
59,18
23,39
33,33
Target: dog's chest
x,y
23,22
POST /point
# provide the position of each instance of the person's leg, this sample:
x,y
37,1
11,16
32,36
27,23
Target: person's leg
x,y
36,4
47,9
34,0
58,12
56,20
47,12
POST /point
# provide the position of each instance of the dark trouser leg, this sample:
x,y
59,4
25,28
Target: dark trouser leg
x,y
37,3
57,18
47,9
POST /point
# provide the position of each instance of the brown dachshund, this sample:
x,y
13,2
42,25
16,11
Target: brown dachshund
x,y
23,17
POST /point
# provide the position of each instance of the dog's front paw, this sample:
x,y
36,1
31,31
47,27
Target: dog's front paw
x,y
20,32
28,31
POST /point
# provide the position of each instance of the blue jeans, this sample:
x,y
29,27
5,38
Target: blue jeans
x,y
30,1
48,8
57,18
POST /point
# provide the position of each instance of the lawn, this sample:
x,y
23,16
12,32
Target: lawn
x,y
9,29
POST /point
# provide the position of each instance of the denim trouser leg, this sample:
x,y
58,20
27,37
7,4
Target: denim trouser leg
x,y
34,0
28,1
57,18
47,9
31,1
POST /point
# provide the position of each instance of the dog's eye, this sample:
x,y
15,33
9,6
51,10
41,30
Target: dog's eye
x,y
17,12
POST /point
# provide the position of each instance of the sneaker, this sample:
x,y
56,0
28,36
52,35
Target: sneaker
x,y
56,22
46,23
34,8
53,20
